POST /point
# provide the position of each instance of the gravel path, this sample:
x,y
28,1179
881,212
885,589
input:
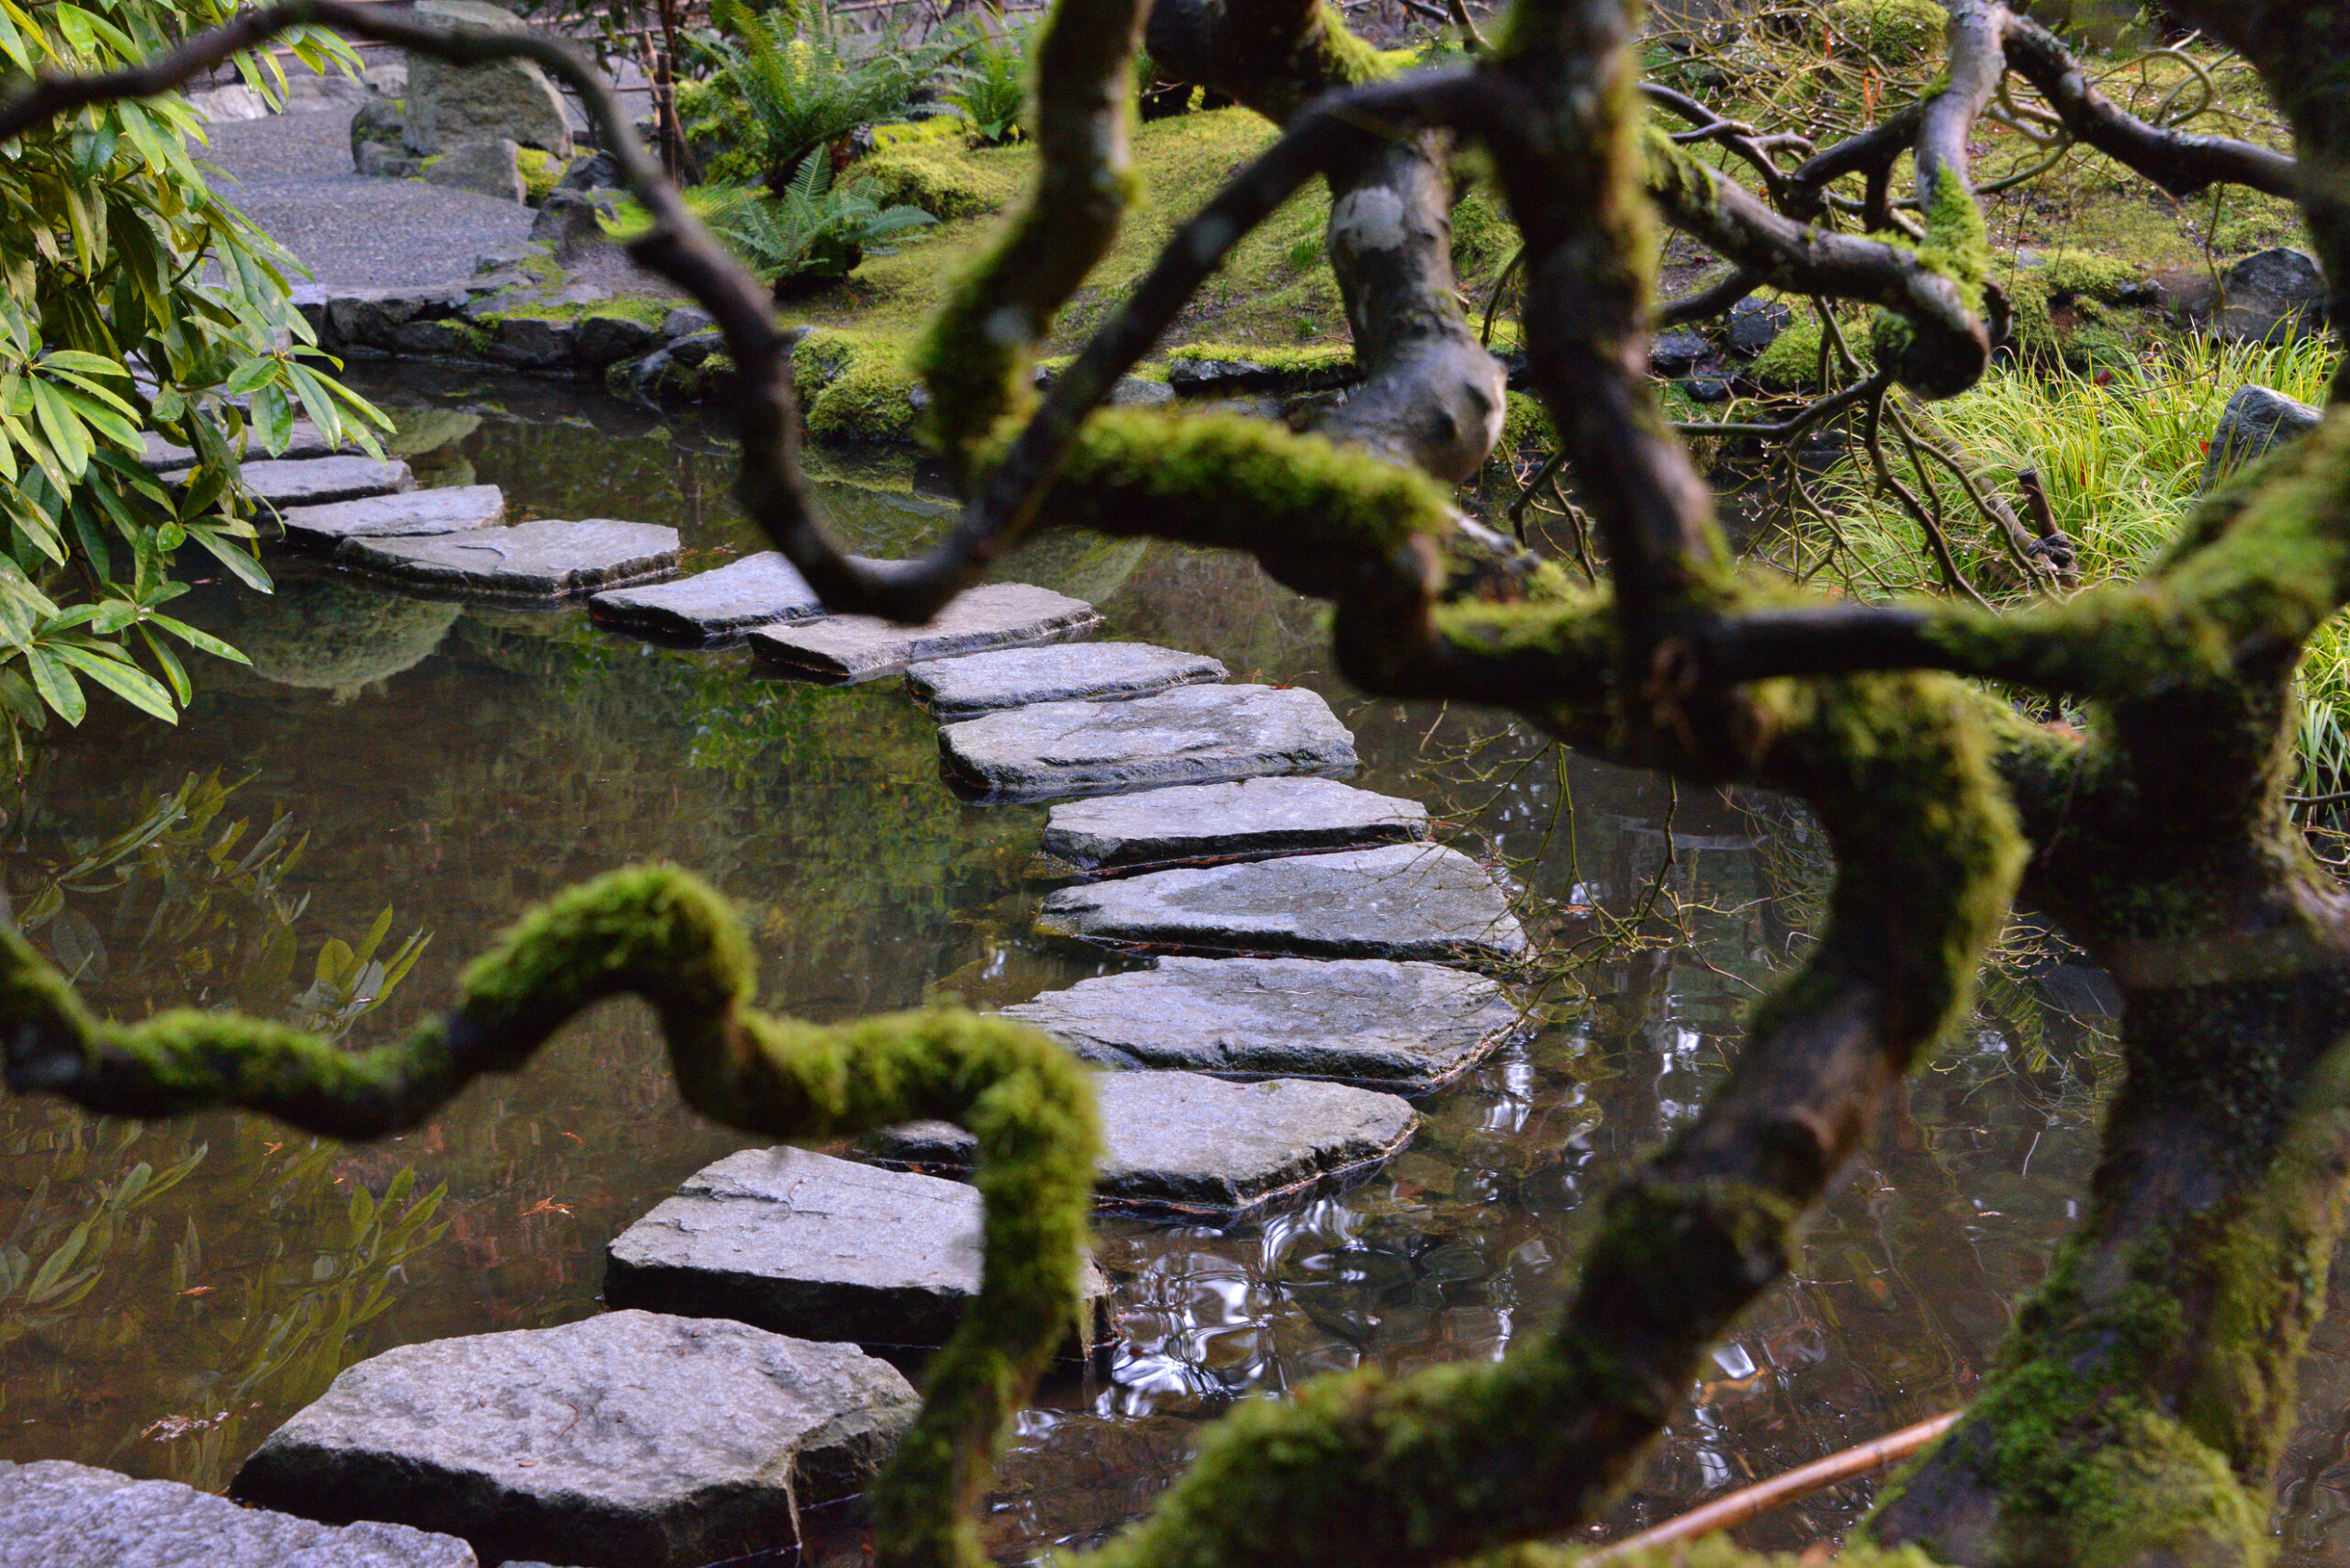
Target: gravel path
x,y
292,175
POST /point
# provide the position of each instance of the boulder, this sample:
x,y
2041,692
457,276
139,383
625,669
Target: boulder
x,y
512,99
569,223
379,160
1013,678
458,509
1410,1027
438,338
860,647
625,1440
1677,353
802,1243
602,341
62,1513
380,124
757,590
541,560
686,321
488,165
2254,423
1186,735
533,343
1180,1143
1755,325
2271,293
234,102
1251,819
1405,900
596,171
371,317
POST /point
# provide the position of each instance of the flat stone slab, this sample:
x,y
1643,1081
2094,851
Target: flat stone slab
x,y
1192,734
281,483
1410,1027
415,514
60,1514
529,560
757,590
306,440
860,647
1013,678
1405,900
1251,819
1183,1143
626,1439
802,1243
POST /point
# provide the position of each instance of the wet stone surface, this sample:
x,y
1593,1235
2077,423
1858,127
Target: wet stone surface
x,y
981,683
415,514
1184,1143
859,647
530,560
1251,819
626,1440
65,1513
756,590
1192,734
281,483
1410,1027
1405,900
802,1243
303,441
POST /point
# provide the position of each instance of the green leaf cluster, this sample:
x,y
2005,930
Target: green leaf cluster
x,y
811,229
131,300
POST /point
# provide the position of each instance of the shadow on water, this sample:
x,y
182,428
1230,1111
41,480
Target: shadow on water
x,y
350,820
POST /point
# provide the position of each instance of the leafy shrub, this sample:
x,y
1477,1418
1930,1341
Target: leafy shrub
x,y
797,89
995,83
107,217
810,229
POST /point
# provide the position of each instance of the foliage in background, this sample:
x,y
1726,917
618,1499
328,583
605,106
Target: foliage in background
x,y
811,229
994,91
788,83
109,326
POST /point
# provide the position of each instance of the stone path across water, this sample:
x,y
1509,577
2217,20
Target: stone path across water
x,y
1251,819
1191,735
626,1440
860,647
1014,677
1184,1143
802,1243
1408,1027
530,560
68,1515
413,514
757,590
280,483
1405,900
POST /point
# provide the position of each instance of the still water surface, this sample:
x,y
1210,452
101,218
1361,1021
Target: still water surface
x,y
415,773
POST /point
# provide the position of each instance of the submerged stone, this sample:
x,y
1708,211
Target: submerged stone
x,y
61,1514
1192,734
802,1243
1406,1027
1013,678
859,647
1250,819
756,590
625,1440
1405,900
1179,1141
415,514
281,483
529,560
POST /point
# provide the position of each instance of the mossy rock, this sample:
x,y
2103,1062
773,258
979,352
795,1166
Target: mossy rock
x,y
2065,310
1898,32
1792,362
541,174
1483,239
870,398
936,178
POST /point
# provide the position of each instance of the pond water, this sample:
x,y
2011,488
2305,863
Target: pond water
x,y
417,773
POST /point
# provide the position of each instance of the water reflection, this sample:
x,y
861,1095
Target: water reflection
x,y
456,764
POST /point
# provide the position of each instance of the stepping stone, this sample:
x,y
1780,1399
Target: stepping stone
x,y
281,483
1192,734
415,514
1178,1142
530,560
1405,900
1409,1027
62,1513
306,440
981,683
1254,819
756,590
625,1439
802,1243
859,647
